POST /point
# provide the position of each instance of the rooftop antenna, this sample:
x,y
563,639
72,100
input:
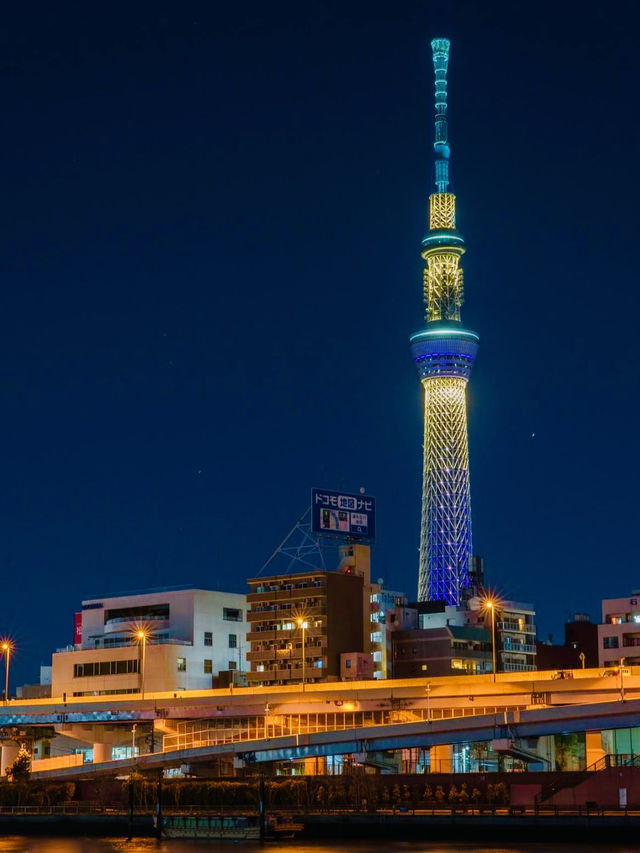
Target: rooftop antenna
x,y
440,48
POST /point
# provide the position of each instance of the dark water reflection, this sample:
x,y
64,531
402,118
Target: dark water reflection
x,y
15,844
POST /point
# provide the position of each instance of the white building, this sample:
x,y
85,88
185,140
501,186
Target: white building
x,y
193,634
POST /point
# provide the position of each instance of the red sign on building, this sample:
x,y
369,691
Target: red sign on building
x,y
77,636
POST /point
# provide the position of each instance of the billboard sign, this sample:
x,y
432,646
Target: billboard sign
x,y
77,634
341,514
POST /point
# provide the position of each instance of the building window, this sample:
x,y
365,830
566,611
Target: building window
x,y
111,667
208,638
182,664
233,641
208,667
424,667
348,664
260,667
232,614
610,643
232,664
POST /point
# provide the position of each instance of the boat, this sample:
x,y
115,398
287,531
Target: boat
x,y
214,827
227,827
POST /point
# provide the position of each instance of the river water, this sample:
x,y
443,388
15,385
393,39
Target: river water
x,y
17,844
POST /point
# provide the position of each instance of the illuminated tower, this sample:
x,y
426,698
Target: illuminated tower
x,y
444,352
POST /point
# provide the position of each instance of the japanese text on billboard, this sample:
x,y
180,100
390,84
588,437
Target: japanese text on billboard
x,y
351,516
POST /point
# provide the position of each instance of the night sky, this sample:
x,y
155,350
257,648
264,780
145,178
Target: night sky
x,y
210,268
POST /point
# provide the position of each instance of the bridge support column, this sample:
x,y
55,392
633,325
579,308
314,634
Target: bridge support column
x,y
9,755
441,759
101,752
593,747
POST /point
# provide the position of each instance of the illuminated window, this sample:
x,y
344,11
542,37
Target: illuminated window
x,y
457,663
208,667
260,667
182,664
424,667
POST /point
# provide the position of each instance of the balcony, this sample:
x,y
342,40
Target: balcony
x,y
310,591
517,627
284,614
520,648
518,667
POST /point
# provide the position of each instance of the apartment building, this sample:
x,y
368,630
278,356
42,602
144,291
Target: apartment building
x,y
619,633
515,630
300,624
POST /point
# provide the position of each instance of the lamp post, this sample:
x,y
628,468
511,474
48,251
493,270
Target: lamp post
x,y
303,625
141,634
490,605
7,648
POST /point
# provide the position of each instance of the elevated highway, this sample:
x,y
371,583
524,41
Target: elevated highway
x,y
223,722
360,741
465,695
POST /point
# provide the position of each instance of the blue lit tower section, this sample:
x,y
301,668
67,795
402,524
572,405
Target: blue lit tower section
x,y
444,353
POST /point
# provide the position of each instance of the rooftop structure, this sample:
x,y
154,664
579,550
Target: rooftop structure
x,y
444,353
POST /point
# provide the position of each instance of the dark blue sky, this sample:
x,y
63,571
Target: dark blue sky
x,y
209,270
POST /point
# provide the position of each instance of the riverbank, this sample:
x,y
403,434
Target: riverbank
x,y
567,826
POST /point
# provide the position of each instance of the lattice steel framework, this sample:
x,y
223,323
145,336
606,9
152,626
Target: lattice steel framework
x,y
444,353
446,523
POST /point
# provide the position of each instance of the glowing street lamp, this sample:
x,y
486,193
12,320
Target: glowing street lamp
x,y
7,648
303,625
142,636
490,604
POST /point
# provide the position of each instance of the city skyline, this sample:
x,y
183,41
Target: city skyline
x,y
209,269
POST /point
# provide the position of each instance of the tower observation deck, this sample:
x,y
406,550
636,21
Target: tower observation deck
x,y
444,353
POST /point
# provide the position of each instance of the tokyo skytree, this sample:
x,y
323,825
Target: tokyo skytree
x,y
444,353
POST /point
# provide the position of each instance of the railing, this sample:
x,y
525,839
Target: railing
x,y
603,763
519,648
225,731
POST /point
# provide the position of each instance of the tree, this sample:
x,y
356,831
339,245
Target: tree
x,y
21,768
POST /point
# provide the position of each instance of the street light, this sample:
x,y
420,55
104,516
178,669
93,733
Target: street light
x,y
490,605
142,638
7,648
303,625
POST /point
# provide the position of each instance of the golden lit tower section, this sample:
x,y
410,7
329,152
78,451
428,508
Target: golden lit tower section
x,y
444,352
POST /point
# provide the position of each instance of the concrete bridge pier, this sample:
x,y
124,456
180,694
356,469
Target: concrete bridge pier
x,y
441,758
101,752
593,747
9,754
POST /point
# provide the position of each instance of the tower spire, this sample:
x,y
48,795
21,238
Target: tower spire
x,y
444,353
440,48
